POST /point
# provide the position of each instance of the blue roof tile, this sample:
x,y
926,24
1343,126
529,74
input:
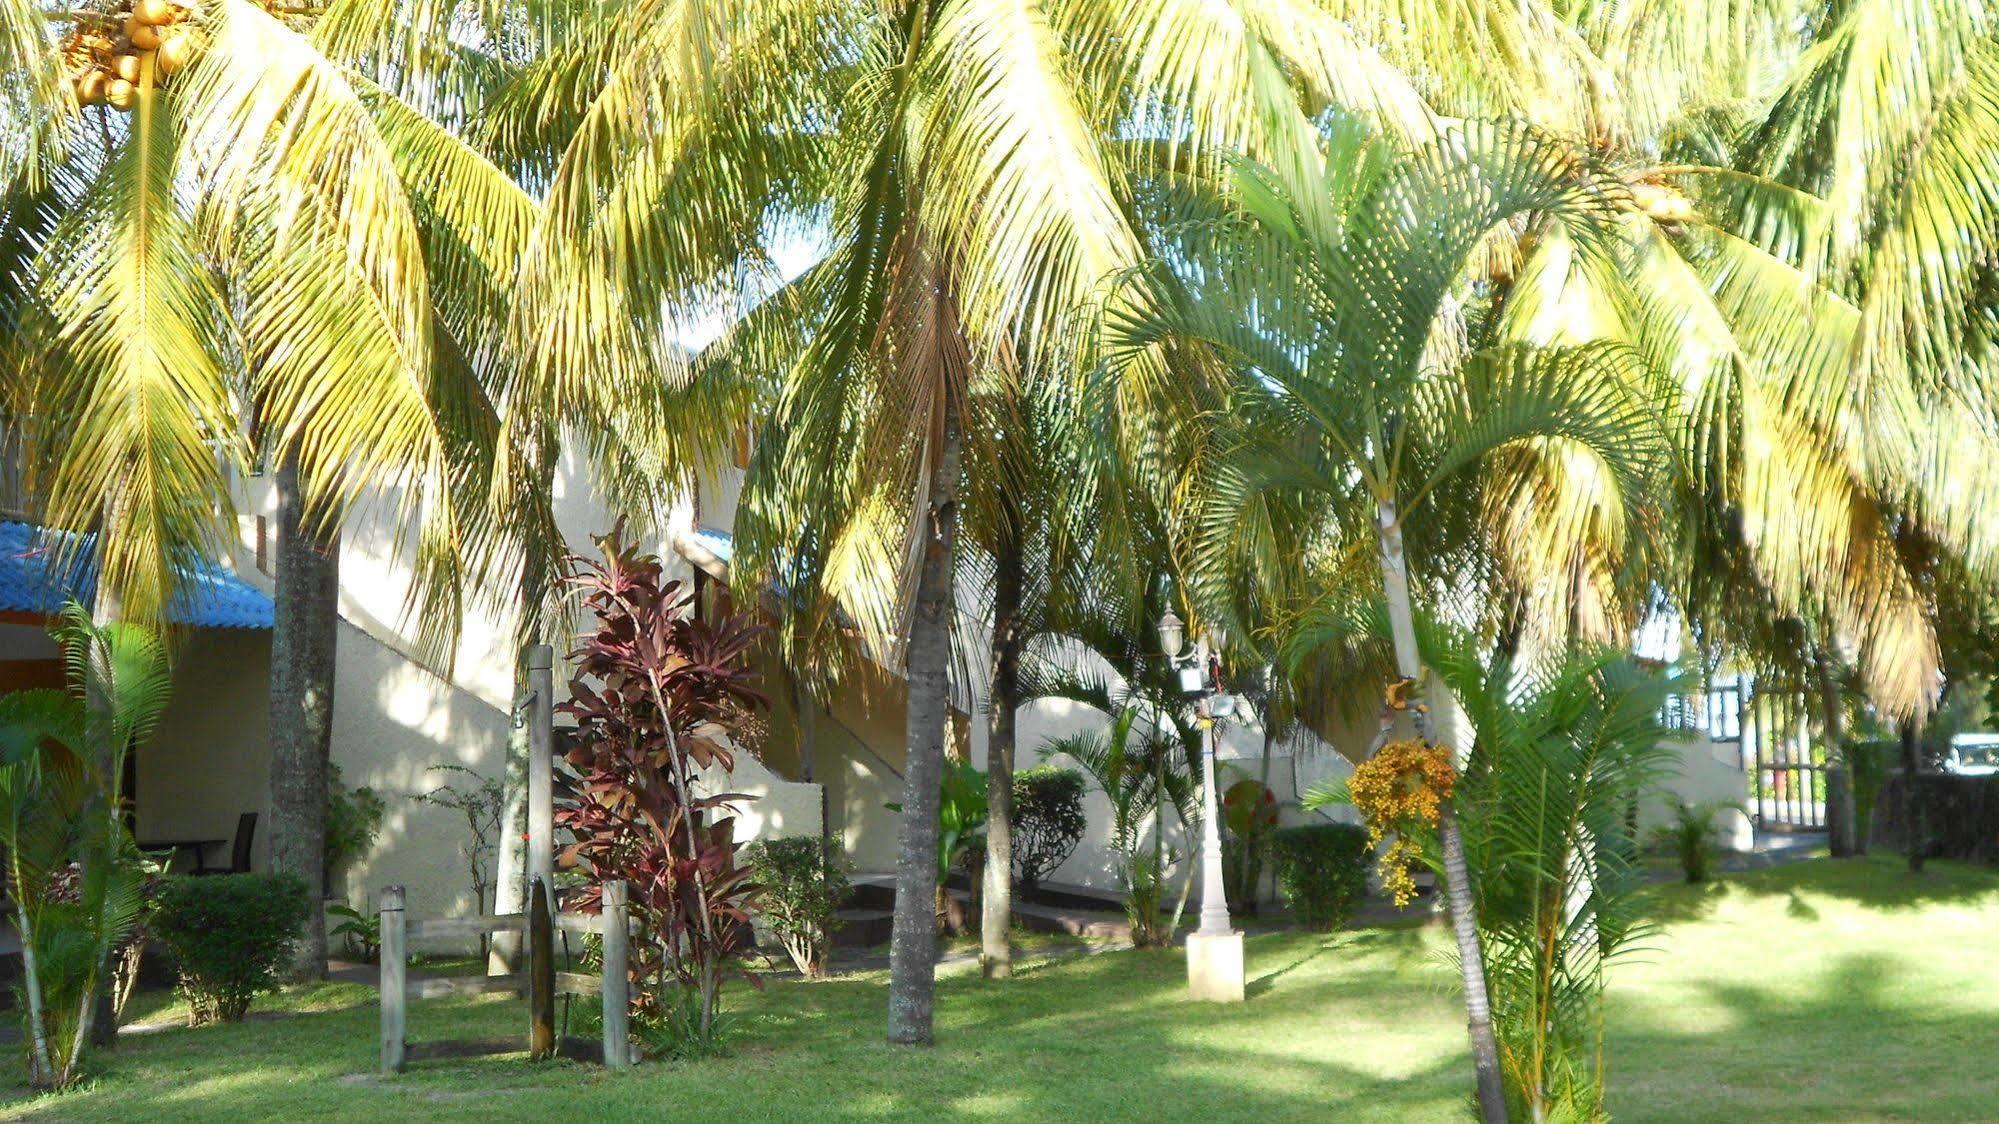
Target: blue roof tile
x,y
717,542
210,596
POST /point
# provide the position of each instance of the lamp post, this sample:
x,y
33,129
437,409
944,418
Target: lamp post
x,y
1214,900
1214,951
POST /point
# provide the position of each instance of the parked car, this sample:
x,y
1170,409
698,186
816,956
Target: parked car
x,y
1973,755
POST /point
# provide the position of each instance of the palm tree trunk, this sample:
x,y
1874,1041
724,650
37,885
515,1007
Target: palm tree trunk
x,y
912,972
1457,879
808,747
100,1020
1914,832
1842,831
41,1069
996,955
302,654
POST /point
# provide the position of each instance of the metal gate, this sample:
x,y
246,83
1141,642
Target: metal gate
x,y
1786,762
1777,746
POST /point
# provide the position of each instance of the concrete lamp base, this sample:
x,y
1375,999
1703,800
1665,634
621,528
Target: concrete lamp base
x,y
1214,966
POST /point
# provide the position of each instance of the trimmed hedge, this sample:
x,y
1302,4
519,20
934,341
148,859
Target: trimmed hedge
x,y
1322,870
231,937
1958,817
1048,821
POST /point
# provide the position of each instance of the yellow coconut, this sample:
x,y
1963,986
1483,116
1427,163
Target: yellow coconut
x,y
121,94
90,87
153,12
176,50
127,67
144,36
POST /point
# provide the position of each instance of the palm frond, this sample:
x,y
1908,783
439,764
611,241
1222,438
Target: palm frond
x,y
127,375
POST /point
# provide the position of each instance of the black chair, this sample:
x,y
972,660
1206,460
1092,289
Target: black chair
x,y
239,850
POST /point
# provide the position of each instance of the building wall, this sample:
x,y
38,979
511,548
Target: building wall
x,y
1709,772
859,750
29,658
394,723
209,760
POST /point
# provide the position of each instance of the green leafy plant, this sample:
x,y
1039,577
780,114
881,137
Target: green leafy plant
x,y
803,883
230,937
961,832
660,700
481,801
1140,770
1322,871
129,955
1249,815
1048,821
77,880
353,820
1563,752
961,815
361,930
1691,834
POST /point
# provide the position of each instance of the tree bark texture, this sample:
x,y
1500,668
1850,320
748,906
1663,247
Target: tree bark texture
x,y
996,955
104,610
303,640
1842,830
913,943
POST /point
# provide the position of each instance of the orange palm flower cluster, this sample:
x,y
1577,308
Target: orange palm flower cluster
x,y
1399,789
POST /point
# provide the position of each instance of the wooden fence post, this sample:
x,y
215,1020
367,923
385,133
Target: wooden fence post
x,y
617,1001
395,967
541,972
541,763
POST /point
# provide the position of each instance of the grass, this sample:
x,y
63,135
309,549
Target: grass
x,y
1830,990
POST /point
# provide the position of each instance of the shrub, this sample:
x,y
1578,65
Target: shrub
x,y
360,929
1691,835
1869,763
353,819
1048,821
230,937
1322,869
803,885
658,697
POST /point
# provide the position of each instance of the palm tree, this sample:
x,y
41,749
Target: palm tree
x,y
1814,195
969,166
320,299
1038,537
1145,760
1565,746
61,754
1321,280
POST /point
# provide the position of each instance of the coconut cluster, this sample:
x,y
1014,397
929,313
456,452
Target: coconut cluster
x,y
110,57
1661,202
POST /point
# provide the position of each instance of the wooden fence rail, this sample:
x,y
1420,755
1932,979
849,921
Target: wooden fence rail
x,y
543,981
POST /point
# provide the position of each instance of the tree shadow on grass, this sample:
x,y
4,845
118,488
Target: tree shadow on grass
x,y
1360,1025
1849,1039
1876,882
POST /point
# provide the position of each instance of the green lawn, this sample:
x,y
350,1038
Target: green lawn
x,y
1813,991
